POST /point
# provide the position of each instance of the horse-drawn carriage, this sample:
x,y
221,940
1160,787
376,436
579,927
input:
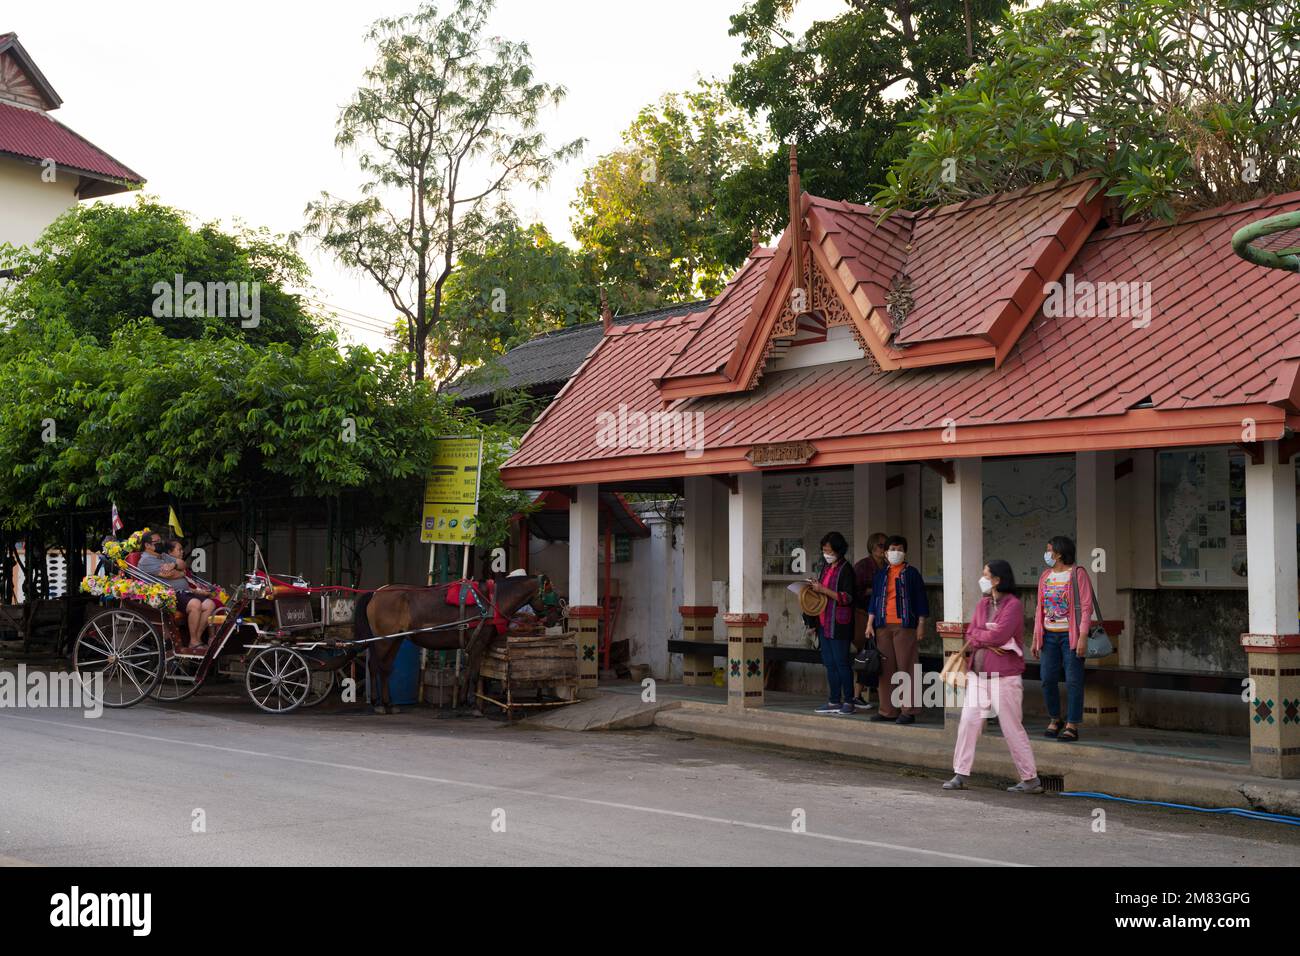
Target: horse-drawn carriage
x,y
267,635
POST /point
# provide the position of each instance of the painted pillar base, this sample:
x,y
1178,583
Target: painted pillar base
x,y
953,634
697,625
585,621
1101,704
745,659
1274,667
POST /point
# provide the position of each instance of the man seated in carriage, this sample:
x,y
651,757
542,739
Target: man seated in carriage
x,y
196,605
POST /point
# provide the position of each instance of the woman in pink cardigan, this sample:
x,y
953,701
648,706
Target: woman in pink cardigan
x,y
994,685
1061,627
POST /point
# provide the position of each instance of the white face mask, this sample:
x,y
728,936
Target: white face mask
x,y
895,557
1048,559
828,558
985,585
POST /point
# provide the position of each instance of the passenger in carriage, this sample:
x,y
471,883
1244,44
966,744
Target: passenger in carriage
x,y
197,605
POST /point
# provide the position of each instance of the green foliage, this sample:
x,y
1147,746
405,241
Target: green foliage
x,y
518,284
446,123
841,90
1176,106
96,267
147,417
647,214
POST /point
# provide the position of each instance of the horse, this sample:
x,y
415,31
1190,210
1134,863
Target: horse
x,y
396,609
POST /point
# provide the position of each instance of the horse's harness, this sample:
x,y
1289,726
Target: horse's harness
x,y
481,603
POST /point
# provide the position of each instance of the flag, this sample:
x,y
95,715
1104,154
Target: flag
x,y
117,521
174,522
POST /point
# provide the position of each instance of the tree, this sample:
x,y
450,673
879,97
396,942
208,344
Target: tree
x,y
1175,106
444,126
648,213
841,91
520,283
101,267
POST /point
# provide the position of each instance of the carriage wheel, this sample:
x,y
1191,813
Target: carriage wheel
x,y
179,678
278,679
124,649
322,682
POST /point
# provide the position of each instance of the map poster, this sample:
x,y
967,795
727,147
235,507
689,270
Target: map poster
x,y
451,492
1201,517
1027,501
799,507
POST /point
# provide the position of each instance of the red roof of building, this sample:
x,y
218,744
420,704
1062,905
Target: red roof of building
x,y
1220,347
33,135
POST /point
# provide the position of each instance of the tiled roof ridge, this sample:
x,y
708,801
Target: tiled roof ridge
x,y
974,202
631,320
1200,215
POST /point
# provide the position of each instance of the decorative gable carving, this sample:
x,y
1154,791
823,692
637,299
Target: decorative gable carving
x,y
16,86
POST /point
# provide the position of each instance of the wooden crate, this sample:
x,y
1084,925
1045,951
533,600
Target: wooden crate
x,y
538,659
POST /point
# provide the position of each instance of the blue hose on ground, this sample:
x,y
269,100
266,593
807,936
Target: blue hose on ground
x,y
1235,811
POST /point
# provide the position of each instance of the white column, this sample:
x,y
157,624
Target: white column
x,y
654,644
868,505
1271,544
963,540
745,545
1096,542
584,546
697,556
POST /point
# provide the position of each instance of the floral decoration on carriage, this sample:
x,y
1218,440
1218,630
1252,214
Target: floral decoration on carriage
x,y
124,586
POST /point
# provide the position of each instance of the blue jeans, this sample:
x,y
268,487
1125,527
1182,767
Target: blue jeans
x,y
839,673
1056,652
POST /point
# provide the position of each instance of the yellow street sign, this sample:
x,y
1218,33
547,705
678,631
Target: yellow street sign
x,y
451,492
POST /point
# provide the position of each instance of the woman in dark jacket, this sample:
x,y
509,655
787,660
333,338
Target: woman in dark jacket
x,y
835,625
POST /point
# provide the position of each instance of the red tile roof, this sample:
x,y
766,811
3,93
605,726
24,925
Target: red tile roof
x,y
1221,341
33,135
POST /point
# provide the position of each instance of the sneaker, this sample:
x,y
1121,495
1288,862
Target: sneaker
x,y
958,782
906,719
846,711
861,703
882,718
828,708
1027,786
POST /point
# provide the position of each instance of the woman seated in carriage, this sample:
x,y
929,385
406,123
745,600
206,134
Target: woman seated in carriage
x,y
163,561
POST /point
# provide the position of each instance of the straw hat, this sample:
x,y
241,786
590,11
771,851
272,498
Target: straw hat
x,y
812,602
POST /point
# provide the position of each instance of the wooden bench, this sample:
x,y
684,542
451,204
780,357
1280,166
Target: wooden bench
x,y
1138,677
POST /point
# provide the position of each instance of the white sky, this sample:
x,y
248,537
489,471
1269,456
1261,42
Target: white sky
x,y
228,108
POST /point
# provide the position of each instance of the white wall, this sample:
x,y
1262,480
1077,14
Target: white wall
x,y
28,205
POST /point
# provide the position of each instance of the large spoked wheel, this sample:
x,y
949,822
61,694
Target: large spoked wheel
x,y
278,679
180,678
322,682
123,649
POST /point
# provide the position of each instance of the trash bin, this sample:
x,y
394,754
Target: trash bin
x,y
404,681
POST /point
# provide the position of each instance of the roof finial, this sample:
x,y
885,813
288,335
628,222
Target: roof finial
x,y
796,225
753,239
606,316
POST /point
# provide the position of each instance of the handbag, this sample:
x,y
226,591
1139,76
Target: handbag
x,y
1098,641
955,669
867,663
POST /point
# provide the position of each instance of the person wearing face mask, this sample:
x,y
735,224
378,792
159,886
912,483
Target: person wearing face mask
x,y
995,638
897,614
1064,617
835,625
864,572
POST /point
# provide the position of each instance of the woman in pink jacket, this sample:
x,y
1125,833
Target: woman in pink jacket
x,y
994,685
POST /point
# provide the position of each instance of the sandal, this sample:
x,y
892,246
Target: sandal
x,y
1053,729
1070,733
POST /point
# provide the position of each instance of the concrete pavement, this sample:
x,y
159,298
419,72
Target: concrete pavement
x,y
339,787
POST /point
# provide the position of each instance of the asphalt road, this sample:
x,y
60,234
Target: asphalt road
x,y
339,787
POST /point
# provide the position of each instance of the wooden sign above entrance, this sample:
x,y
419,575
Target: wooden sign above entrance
x,y
781,453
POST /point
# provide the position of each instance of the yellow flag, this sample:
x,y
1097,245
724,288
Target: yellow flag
x,y
175,522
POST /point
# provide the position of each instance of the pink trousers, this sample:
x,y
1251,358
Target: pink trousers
x,y
1005,696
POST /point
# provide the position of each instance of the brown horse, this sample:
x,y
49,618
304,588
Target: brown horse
x,y
396,609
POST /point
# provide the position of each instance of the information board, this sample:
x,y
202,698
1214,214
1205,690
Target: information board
x,y
799,507
451,492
